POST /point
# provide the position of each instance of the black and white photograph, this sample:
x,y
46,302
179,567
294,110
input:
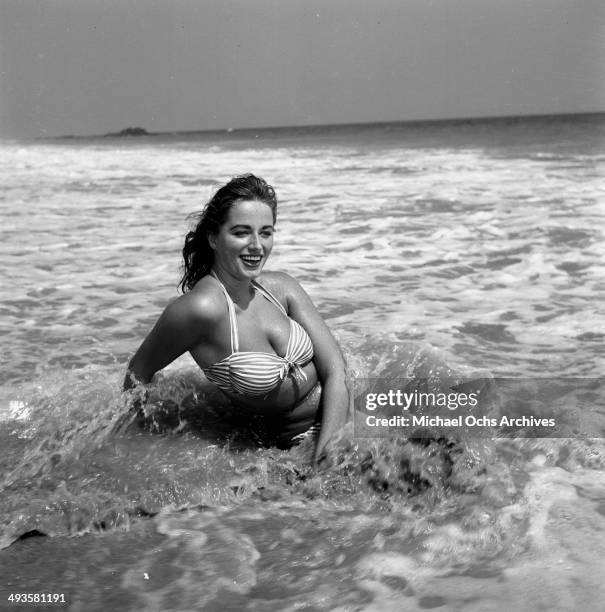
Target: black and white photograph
x,y
302,305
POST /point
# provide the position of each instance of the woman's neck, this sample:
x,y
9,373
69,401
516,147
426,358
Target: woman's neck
x,y
241,291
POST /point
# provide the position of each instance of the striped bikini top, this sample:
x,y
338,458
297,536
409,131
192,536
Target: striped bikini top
x,y
250,373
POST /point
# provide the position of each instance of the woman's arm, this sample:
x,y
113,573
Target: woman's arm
x,y
180,327
329,362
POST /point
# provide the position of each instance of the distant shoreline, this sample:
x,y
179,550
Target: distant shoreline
x,y
139,132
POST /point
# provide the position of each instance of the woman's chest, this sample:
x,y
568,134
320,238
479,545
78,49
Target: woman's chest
x,y
263,328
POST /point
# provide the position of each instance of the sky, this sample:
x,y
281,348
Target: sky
x,y
95,66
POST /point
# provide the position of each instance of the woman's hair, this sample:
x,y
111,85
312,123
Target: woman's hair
x,y
197,253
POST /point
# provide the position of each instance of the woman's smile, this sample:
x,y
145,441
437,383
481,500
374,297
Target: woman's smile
x,y
244,241
251,261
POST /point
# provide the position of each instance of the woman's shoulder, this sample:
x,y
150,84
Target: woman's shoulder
x,y
281,284
285,288
205,303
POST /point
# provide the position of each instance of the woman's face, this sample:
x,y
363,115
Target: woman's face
x,y
243,243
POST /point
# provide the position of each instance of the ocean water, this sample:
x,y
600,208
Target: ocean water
x,y
437,250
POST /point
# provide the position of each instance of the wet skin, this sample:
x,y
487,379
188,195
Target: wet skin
x,y
198,322
246,237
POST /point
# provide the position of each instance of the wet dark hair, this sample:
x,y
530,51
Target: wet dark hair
x,y
198,255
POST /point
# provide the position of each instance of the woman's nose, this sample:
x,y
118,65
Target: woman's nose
x,y
254,242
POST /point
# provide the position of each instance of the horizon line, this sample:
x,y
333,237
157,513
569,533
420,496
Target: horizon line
x,y
311,126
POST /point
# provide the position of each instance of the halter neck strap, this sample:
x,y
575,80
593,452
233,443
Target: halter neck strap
x,y
232,318
231,307
269,296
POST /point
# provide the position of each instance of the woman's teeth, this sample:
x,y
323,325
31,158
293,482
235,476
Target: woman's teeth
x,y
251,260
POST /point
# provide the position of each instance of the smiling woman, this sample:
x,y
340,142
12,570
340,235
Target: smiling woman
x,y
244,245
257,336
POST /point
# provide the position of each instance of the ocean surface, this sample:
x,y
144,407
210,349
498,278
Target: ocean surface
x,y
432,250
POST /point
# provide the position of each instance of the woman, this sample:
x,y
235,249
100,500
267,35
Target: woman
x,y
256,335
